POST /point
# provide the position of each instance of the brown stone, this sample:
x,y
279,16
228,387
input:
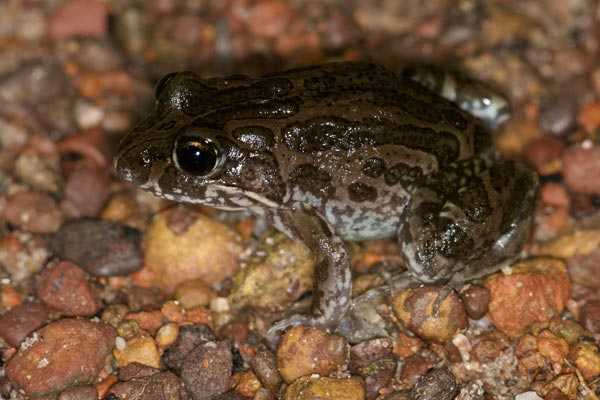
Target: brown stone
x,y
61,354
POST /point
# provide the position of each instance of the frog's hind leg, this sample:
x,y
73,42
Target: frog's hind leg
x,y
470,230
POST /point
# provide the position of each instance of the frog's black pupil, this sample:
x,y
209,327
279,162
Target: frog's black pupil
x,y
196,156
162,83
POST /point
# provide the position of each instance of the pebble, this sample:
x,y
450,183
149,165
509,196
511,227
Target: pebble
x,y
476,299
180,245
163,385
374,362
141,349
102,248
437,384
325,388
277,273
194,293
206,371
18,322
306,350
414,308
589,316
264,365
63,286
136,370
85,193
581,169
62,352
190,336
37,172
79,393
22,255
34,212
80,18
536,291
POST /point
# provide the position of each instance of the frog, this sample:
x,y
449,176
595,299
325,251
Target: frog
x,y
338,152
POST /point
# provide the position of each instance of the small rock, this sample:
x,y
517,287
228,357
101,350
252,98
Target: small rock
x,y
206,371
166,336
33,211
63,286
552,347
581,169
589,116
557,117
136,370
141,349
37,172
232,395
415,367
414,308
62,352
194,293
247,384
264,365
536,291
164,385
589,316
545,154
80,18
270,18
476,299
85,193
22,255
326,388
306,350
102,248
189,337
181,245
369,351
278,272
586,357
17,323
437,384
79,393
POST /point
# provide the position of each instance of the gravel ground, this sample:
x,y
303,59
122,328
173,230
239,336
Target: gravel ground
x,y
109,293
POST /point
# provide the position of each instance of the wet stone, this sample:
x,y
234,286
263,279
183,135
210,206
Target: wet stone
x,y
264,365
164,385
64,287
306,350
189,337
59,354
86,191
17,323
476,299
33,211
79,393
437,384
136,370
206,371
102,248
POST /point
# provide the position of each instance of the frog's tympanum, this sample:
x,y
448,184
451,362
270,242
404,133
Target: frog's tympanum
x,y
341,151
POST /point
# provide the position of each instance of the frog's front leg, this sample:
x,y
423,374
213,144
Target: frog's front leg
x,y
332,287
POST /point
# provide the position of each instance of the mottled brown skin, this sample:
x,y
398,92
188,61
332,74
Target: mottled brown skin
x,y
341,151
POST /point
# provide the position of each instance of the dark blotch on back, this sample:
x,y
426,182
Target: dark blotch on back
x,y
256,137
406,175
373,167
360,192
310,178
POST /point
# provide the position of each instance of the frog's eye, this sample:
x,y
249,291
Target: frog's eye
x,y
197,153
162,83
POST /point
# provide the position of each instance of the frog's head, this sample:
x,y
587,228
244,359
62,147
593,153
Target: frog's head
x,y
178,154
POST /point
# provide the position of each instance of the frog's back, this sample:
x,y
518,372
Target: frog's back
x,y
352,139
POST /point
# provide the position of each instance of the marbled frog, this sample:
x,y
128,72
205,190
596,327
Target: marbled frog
x,y
334,152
